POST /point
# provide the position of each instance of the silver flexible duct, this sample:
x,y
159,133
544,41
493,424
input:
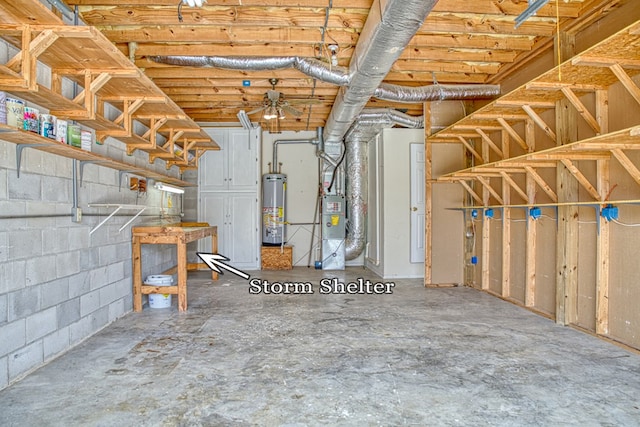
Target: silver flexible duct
x,y
436,92
367,125
310,66
389,28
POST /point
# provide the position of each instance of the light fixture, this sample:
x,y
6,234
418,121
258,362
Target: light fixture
x,y
244,120
168,188
333,48
271,112
194,3
534,7
281,113
190,3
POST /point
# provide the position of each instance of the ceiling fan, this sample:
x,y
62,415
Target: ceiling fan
x,y
274,104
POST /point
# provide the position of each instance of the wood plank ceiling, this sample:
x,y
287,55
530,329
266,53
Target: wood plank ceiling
x,y
461,41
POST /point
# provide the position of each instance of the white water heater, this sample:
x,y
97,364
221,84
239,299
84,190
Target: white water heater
x,y
274,187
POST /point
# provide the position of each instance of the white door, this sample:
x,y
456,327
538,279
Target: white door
x,y
243,160
242,223
417,203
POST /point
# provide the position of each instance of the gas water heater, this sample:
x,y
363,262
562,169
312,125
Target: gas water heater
x,y
274,187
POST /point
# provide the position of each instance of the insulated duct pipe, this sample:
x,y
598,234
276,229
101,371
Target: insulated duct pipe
x,y
389,28
334,75
368,124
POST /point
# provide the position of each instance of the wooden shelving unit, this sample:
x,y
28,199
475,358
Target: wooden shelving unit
x,y
104,77
24,139
522,161
591,72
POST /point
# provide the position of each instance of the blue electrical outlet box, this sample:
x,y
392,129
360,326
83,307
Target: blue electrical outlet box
x,y
474,260
246,83
474,213
488,213
609,212
535,213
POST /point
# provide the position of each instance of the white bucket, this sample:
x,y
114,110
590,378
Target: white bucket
x,y
159,300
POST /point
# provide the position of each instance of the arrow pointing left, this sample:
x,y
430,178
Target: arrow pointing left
x,y
214,261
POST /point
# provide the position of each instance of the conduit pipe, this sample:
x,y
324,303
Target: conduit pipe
x,y
316,141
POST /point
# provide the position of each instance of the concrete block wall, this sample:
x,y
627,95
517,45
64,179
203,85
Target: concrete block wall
x,y
59,283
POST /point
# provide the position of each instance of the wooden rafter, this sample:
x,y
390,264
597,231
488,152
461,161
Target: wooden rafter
x,y
512,132
540,122
542,183
582,110
514,185
487,185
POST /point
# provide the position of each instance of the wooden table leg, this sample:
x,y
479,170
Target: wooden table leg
x,y
137,275
214,250
182,274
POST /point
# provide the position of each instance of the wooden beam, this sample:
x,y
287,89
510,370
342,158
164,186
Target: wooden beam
x,y
627,164
626,81
581,178
602,110
506,226
489,142
471,192
602,255
567,187
514,185
512,132
582,110
542,183
428,207
469,147
538,120
487,185
531,247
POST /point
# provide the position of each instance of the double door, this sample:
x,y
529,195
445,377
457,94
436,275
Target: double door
x,y
228,187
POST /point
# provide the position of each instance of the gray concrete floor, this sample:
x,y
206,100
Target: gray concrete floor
x,y
429,357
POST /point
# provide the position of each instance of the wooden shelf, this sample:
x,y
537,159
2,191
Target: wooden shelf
x,y
517,114
24,139
104,76
595,69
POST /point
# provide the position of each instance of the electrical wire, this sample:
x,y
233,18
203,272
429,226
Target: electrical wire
x,y
624,224
335,170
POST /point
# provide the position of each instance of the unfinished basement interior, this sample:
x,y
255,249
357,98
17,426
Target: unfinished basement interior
x,y
319,212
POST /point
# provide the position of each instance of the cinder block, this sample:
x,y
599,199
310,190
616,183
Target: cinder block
x,y
10,208
41,324
55,343
78,237
116,310
99,319
23,303
40,270
64,167
108,294
4,246
4,185
80,330
28,187
25,359
4,308
115,272
32,162
89,258
55,292
13,336
124,251
68,312
56,189
108,254
67,263
55,240
13,274
98,277
89,303
4,372
25,243
79,284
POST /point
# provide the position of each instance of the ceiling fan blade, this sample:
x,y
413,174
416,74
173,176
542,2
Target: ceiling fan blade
x,y
302,101
292,110
257,110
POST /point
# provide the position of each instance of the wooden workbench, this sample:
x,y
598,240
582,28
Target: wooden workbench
x,y
178,234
